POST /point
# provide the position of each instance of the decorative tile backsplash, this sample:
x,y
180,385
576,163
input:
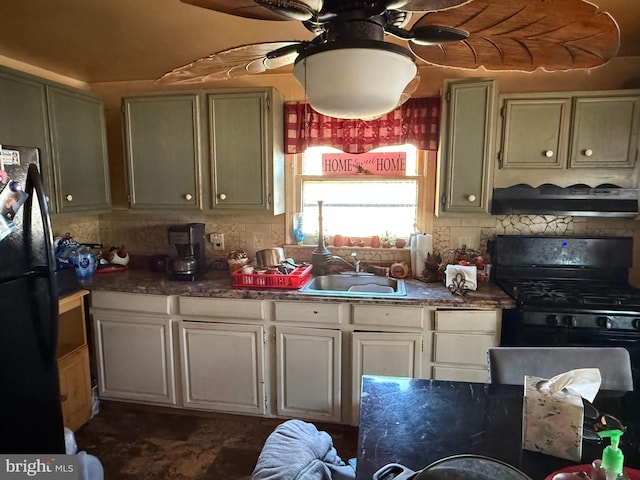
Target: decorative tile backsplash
x,y
145,234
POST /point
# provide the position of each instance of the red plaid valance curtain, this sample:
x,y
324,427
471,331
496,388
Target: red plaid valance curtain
x,y
416,122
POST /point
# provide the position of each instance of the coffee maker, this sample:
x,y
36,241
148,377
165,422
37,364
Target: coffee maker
x,y
188,239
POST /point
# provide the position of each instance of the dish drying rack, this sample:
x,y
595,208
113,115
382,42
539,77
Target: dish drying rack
x,y
292,281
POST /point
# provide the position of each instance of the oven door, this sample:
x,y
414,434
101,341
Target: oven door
x,y
516,333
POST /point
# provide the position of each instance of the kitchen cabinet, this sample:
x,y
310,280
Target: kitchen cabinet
x,y
67,125
394,346
163,151
308,372
382,353
584,137
308,359
222,366
79,151
23,118
467,144
461,339
222,354
134,347
247,152
73,361
214,150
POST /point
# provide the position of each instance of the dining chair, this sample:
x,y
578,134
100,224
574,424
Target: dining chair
x,y
509,365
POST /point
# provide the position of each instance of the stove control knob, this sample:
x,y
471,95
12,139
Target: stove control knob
x,y
570,321
553,320
636,324
605,322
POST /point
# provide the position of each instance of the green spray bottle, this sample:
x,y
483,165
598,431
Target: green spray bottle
x,y
612,465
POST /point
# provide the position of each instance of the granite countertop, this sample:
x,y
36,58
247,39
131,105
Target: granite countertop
x,y
218,284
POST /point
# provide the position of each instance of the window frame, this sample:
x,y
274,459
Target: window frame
x,y
425,178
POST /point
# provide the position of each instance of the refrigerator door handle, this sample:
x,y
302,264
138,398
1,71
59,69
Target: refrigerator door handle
x,y
35,185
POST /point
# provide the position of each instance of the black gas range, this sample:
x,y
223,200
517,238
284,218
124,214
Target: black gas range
x,y
569,291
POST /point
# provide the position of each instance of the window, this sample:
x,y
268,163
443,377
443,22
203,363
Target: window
x,y
361,206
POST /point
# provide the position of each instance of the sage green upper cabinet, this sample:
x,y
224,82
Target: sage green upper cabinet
x,y
23,120
23,112
67,125
605,131
163,151
79,151
246,148
583,137
535,132
464,166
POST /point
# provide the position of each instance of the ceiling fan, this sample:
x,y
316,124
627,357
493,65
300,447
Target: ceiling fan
x,y
348,70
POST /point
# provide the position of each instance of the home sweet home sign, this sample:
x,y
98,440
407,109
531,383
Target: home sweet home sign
x,y
380,163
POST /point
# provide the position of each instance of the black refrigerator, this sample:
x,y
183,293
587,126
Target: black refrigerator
x,y
30,410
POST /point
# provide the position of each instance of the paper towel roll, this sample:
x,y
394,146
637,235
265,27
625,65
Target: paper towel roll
x,y
423,244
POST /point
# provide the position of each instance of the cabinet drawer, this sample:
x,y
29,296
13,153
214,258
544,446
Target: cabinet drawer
x,y
392,316
463,349
134,302
221,307
313,312
467,320
456,374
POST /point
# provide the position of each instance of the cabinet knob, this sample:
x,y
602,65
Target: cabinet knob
x,y
222,196
548,153
68,197
471,198
63,398
588,152
188,196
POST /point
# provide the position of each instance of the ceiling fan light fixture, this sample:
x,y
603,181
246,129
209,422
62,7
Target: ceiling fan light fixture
x,y
362,79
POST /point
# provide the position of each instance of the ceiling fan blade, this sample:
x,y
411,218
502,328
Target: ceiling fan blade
x,y
435,34
426,5
262,9
524,35
235,62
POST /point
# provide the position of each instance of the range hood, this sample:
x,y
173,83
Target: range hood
x,y
576,200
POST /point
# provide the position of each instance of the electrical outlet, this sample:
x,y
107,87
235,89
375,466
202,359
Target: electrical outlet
x,y
217,239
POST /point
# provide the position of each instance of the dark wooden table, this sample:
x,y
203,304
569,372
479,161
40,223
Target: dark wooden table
x,y
416,422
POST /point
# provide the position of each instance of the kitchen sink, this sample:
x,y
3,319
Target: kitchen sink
x,y
355,285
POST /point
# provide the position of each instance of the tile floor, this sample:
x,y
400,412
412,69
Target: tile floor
x,y
141,442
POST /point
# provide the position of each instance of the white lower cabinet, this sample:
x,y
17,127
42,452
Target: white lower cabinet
x,y
383,353
214,353
308,373
222,367
461,339
135,357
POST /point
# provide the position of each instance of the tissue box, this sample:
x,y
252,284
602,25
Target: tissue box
x,y
552,423
464,276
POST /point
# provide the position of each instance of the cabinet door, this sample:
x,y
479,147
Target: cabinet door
x,y
75,388
135,358
534,132
605,132
79,151
308,366
23,120
383,353
245,138
222,367
163,151
467,145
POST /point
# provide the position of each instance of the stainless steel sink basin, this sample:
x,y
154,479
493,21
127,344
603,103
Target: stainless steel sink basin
x,y
355,285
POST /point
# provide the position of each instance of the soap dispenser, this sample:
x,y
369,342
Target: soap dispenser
x,y
612,465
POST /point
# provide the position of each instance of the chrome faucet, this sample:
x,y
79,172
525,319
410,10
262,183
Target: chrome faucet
x,y
356,261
